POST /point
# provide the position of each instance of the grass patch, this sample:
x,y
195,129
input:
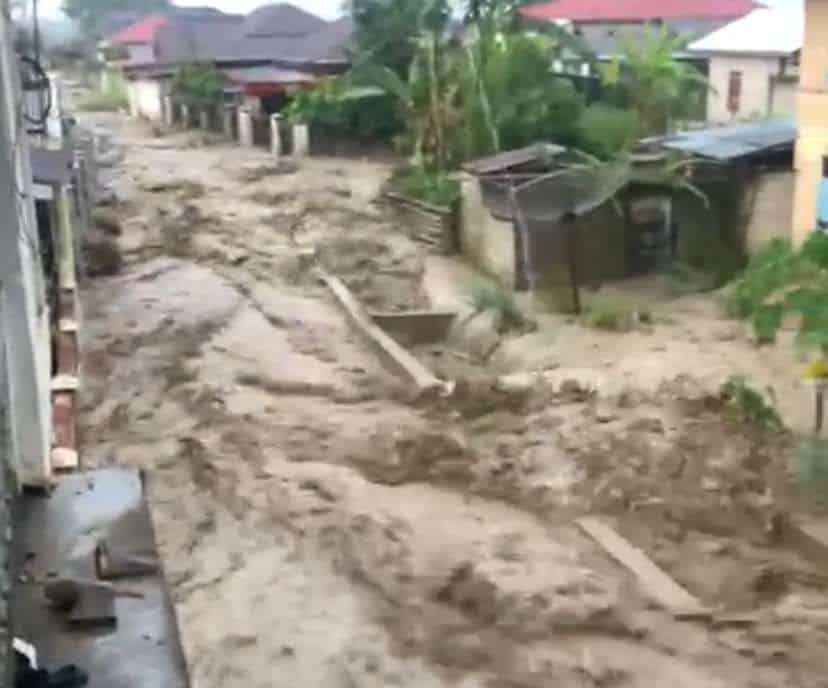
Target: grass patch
x,y
615,315
109,99
744,404
433,187
487,297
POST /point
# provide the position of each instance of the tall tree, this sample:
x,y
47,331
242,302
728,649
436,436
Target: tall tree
x,y
386,32
91,14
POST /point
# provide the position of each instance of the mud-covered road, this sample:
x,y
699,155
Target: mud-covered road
x,y
322,529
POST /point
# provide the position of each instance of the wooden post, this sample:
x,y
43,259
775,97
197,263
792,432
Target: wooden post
x,y
275,135
228,114
167,111
572,254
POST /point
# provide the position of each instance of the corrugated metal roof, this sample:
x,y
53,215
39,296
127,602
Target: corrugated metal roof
x,y
637,10
730,143
520,156
769,31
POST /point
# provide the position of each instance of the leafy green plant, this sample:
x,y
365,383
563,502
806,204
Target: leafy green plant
x,y
431,186
509,98
109,99
337,106
605,131
199,84
647,76
487,297
744,404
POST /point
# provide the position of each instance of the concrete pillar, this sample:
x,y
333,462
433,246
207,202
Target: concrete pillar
x,y
67,239
301,140
185,115
245,127
275,135
132,96
204,118
227,115
167,111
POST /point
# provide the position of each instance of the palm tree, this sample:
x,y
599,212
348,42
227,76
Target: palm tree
x,y
654,83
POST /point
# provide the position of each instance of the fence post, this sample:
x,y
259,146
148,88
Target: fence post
x,y
228,114
204,119
245,127
167,111
275,135
301,143
185,115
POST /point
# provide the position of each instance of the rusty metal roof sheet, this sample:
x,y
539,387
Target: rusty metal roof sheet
x,y
521,156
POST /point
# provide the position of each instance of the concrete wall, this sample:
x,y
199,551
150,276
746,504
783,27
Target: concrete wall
x,y
146,99
756,98
24,308
140,53
784,98
812,144
487,242
772,208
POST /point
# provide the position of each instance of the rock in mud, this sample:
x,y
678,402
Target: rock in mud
x,y
101,256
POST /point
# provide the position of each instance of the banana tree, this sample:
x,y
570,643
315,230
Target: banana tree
x,y
654,83
428,97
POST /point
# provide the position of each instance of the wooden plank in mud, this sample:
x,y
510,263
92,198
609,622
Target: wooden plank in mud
x,y
657,585
809,538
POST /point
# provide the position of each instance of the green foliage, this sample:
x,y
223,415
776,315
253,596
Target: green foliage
x,y
336,106
199,84
91,14
430,186
489,297
615,315
779,280
386,31
647,76
812,466
744,404
510,99
111,99
605,131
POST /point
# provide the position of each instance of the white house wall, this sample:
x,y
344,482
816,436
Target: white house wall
x,y
146,99
756,87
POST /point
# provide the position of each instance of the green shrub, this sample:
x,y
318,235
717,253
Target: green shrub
x,y
487,297
744,404
780,280
199,84
614,315
605,131
109,99
334,106
430,186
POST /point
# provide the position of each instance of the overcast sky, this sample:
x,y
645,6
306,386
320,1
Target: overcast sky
x,y
329,9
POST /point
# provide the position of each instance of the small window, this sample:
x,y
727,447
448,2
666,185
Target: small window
x,y
734,92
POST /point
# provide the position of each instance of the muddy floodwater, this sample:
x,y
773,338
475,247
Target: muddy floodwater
x,y
321,527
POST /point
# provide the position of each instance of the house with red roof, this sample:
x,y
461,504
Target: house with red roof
x,y
265,55
604,25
